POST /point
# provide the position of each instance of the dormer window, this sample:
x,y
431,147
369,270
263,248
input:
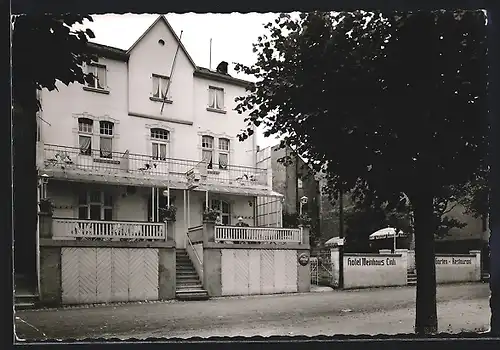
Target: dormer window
x,y
216,98
98,72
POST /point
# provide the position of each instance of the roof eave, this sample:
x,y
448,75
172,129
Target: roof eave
x,y
225,79
108,52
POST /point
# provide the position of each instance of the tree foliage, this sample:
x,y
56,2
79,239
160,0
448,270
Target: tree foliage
x,y
47,49
394,102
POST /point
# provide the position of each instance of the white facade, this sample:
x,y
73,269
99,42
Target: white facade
x,y
114,139
127,101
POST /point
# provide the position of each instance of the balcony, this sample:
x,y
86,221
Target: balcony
x,y
70,160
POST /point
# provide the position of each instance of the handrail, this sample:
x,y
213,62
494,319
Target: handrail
x,y
195,253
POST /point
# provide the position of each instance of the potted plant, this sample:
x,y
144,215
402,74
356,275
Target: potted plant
x,y
304,220
210,214
46,206
168,213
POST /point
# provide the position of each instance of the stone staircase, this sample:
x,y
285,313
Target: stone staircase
x,y
412,278
25,297
188,284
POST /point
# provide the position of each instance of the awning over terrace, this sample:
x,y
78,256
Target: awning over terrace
x,y
238,191
113,179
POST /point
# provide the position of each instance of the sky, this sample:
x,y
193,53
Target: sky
x,y
232,38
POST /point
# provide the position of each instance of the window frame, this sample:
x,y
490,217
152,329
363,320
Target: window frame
x,y
208,149
219,206
103,195
87,134
109,136
159,142
161,88
95,85
226,152
215,89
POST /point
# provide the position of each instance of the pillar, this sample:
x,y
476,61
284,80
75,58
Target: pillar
x,y
45,222
477,272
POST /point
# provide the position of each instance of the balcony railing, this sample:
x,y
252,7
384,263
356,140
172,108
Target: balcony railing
x,y
108,230
128,164
257,234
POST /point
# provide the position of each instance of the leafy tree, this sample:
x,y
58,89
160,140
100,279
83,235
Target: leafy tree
x,y
45,49
387,101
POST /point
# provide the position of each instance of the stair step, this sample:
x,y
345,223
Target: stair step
x,y
187,276
192,294
188,282
186,279
187,286
24,306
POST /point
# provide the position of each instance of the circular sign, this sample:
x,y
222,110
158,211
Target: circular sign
x,y
304,259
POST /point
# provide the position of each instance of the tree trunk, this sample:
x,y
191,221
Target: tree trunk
x,y
426,312
25,187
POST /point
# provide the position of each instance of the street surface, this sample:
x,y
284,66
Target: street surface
x,y
461,308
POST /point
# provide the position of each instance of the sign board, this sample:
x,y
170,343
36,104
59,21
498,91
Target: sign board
x,y
371,262
451,260
193,178
304,259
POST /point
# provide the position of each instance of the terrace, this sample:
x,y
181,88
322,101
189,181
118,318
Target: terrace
x,y
65,162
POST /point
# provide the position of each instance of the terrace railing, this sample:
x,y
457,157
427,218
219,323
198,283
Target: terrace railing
x,y
140,165
75,228
258,234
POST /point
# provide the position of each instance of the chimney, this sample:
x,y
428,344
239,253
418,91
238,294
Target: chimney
x,y
222,67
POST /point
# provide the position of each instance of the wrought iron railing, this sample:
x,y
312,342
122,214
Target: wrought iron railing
x,y
126,163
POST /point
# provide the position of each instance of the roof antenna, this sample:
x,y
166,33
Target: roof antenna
x,y
171,73
210,62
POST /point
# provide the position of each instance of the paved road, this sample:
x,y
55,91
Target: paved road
x,y
388,311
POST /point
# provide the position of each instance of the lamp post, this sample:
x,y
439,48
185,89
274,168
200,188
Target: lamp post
x,y
44,182
303,201
341,237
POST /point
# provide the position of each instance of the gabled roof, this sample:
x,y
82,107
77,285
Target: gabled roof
x,y
164,19
123,55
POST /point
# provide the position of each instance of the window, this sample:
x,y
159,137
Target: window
x,y
99,74
106,139
223,153
95,205
223,207
216,98
85,129
207,145
160,84
159,142
299,183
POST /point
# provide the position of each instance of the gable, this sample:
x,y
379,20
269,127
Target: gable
x,y
160,29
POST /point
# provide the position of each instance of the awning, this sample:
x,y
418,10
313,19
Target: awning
x,y
334,241
239,191
388,232
112,179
